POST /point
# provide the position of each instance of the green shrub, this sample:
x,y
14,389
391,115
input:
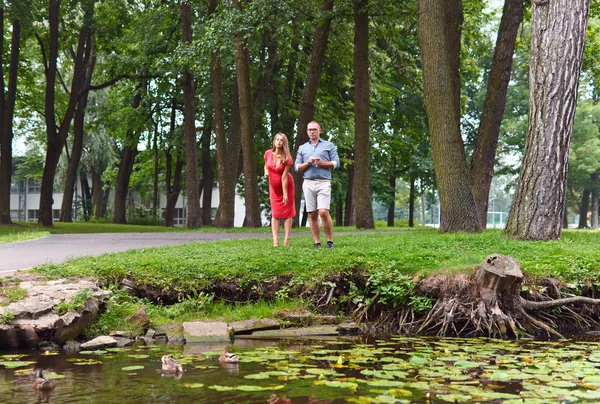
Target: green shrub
x,y
77,303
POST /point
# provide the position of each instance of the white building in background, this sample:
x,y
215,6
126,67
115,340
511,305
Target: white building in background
x,y
25,203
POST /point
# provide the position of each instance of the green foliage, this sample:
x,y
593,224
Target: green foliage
x,y
6,318
76,303
10,294
189,307
119,307
391,286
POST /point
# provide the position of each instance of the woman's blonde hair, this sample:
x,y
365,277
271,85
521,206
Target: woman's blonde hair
x,y
285,146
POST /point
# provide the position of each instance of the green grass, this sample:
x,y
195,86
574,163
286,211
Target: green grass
x,y
197,266
121,306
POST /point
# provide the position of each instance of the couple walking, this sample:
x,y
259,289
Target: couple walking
x,y
315,160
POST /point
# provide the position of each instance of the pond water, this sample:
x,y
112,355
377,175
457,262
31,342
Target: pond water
x,y
398,370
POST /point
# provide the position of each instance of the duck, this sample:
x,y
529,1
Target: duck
x,y
228,357
171,365
41,383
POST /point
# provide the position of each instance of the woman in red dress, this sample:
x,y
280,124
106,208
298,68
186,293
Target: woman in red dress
x,y
278,162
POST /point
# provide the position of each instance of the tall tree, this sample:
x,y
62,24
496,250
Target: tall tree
x,y
486,140
307,109
56,134
362,185
66,210
439,37
8,95
194,214
228,147
554,69
242,68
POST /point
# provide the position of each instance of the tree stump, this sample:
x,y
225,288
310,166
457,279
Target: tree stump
x,y
489,302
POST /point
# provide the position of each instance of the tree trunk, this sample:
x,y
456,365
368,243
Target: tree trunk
x,y
7,110
66,210
194,214
155,194
208,176
439,37
411,203
173,189
86,197
307,109
391,214
422,208
97,193
242,64
228,147
486,141
287,117
584,208
555,65
362,182
122,186
229,159
56,138
128,154
349,213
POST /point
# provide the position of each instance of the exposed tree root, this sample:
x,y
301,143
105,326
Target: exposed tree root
x,y
488,303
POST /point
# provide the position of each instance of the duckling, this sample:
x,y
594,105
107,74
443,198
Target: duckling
x,y
41,383
171,365
228,357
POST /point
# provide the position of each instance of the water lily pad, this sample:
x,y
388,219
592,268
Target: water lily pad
x,y
98,352
15,364
23,372
132,368
222,388
258,376
193,385
139,356
455,398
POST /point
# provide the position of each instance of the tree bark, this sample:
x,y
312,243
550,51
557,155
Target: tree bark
x,y
439,37
362,182
242,65
486,141
194,214
208,176
554,68
66,210
411,203
122,186
307,109
349,213
56,135
86,197
97,193
128,154
391,213
228,147
584,208
7,109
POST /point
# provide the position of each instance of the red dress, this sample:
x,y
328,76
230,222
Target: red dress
x,y
278,209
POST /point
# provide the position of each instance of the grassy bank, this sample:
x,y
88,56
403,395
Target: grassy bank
x,y
197,266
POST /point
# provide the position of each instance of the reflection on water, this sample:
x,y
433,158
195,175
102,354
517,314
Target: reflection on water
x,y
399,370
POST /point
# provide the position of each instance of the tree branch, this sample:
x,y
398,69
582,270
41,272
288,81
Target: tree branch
x,y
119,78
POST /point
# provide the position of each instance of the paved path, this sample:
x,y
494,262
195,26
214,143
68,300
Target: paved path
x,y
59,247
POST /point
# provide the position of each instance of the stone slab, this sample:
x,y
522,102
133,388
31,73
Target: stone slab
x,y
205,331
254,324
316,331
